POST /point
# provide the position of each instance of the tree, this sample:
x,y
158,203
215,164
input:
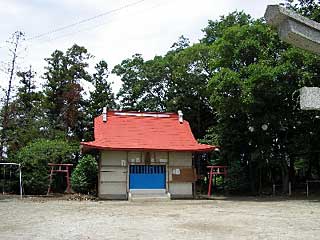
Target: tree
x,y
215,29
15,44
26,121
181,44
255,79
84,177
133,83
102,96
243,91
63,100
34,159
176,81
190,72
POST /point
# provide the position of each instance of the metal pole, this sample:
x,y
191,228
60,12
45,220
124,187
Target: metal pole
x,y
20,180
4,178
289,188
68,180
307,188
273,189
210,182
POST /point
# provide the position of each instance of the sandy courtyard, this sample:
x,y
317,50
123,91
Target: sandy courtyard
x,y
191,219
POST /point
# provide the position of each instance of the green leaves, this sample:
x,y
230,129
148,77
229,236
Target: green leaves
x,y
63,88
225,87
255,82
130,71
176,81
102,96
84,177
34,159
25,114
216,29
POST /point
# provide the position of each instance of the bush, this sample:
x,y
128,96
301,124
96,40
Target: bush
x,y
84,177
237,180
34,159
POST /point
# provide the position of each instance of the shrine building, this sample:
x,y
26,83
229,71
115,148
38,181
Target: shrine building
x,y
144,152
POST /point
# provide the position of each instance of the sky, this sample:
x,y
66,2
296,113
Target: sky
x,y
112,30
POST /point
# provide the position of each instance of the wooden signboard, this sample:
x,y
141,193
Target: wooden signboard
x,y
183,175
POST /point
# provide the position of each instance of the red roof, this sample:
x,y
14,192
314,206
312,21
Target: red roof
x,y
144,131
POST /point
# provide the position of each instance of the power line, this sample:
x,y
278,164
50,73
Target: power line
x,y
84,20
91,27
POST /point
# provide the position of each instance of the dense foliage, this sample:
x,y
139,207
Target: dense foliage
x,y
238,87
84,177
34,159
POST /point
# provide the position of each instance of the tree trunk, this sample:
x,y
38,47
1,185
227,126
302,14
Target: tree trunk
x,y
251,177
285,177
292,173
317,164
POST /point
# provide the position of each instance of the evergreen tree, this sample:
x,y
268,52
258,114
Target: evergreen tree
x,y
26,119
63,102
102,96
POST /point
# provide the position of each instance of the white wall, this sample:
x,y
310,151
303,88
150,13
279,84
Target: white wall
x,y
113,172
181,159
178,160
109,158
113,175
182,189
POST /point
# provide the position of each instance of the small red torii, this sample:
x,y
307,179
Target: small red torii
x,y
62,168
215,170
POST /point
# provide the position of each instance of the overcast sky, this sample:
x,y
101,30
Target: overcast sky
x,y
148,27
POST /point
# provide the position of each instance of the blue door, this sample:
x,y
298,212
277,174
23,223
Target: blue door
x,y
147,177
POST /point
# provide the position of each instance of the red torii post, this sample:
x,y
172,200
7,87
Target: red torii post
x,y
62,168
215,170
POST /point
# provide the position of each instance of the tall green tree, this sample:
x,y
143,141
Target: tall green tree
x,y
215,29
254,87
190,74
176,81
63,98
26,121
133,83
102,96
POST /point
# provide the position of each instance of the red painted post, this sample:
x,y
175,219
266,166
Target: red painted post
x,y
210,182
68,180
218,172
50,180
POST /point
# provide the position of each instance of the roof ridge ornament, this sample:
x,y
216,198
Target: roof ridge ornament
x,y
180,114
156,115
104,114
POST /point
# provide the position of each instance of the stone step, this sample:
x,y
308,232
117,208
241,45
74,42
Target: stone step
x,y
147,191
149,197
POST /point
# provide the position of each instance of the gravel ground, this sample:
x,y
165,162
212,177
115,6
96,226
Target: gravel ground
x,y
244,218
